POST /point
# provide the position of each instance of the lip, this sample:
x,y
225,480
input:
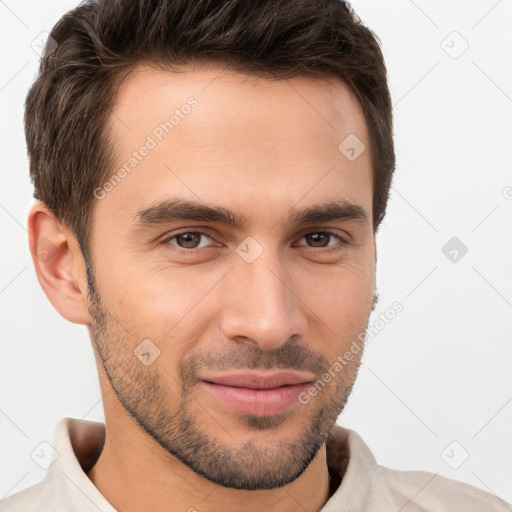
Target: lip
x,y
256,392
259,379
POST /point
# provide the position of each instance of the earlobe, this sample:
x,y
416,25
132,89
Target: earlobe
x,y
58,263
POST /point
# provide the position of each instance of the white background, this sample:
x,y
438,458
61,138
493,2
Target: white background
x,y
441,370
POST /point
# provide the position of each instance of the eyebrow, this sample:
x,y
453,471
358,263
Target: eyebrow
x,y
177,209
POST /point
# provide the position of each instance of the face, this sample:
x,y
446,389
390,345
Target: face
x,y
233,266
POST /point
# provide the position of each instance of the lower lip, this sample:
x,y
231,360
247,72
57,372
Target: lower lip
x,y
259,402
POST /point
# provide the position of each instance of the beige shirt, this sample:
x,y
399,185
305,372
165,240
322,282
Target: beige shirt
x,y
365,486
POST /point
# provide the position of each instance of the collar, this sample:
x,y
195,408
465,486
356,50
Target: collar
x,y
79,442
363,486
74,440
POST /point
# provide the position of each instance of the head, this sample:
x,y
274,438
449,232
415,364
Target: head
x,y
210,180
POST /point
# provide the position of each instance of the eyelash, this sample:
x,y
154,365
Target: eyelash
x,y
181,250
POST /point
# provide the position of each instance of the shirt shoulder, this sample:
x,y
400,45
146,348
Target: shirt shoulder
x,y
369,486
32,499
66,486
421,491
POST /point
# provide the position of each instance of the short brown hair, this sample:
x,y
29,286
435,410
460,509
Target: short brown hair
x,y
98,42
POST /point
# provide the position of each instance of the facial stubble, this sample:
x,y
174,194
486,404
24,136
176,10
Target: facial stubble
x,y
270,458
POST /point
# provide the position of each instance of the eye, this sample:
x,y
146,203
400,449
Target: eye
x,y
187,240
320,239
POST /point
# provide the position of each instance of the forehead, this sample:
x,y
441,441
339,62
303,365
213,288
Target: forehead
x,y
214,134
210,80
148,97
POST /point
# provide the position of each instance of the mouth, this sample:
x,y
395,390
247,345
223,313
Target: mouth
x,y
256,392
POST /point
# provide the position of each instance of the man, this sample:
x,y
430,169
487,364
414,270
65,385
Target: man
x,y
210,178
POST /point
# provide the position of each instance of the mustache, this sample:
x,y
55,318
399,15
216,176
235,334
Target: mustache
x,y
289,356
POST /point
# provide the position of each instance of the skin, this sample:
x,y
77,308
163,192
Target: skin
x,y
257,147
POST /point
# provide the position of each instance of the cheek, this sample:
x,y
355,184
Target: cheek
x,y
345,289
163,304
338,307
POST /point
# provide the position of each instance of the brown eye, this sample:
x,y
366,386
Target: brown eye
x,y
187,240
321,239
318,239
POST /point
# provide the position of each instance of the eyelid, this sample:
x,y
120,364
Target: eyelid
x,y
343,239
172,235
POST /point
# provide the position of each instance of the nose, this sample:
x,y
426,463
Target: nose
x,y
260,306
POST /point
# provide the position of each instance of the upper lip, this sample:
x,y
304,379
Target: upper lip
x,y
259,379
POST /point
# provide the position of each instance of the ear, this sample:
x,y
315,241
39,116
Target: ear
x,y
375,293
59,264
